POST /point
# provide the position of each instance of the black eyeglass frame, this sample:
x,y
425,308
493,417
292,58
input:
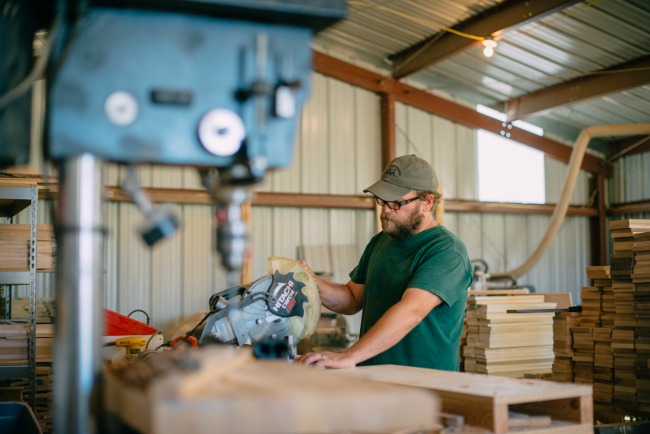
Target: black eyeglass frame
x,y
395,203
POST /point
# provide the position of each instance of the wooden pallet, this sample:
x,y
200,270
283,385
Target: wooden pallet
x,y
501,405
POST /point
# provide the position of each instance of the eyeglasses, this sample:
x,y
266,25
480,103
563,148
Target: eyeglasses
x,y
394,204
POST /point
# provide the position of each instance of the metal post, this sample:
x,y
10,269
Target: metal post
x,y
31,349
80,235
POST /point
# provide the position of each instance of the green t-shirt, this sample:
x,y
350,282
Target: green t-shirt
x,y
434,260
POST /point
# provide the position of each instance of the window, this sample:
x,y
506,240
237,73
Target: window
x,y
509,171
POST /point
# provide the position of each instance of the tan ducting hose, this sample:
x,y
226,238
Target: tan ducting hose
x,y
567,190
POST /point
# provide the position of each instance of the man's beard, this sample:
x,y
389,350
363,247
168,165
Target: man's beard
x,y
399,230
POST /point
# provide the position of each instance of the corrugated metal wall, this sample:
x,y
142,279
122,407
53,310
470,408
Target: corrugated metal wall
x,y
630,183
337,152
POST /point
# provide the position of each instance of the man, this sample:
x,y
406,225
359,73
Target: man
x,y
411,280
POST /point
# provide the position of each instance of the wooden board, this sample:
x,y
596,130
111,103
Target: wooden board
x,y
232,393
487,401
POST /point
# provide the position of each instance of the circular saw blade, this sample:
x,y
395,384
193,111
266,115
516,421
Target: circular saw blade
x,y
304,325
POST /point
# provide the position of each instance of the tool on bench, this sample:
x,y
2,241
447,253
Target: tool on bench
x,y
283,306
188,340
132,345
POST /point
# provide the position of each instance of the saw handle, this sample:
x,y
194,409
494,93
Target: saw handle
x,y
191,340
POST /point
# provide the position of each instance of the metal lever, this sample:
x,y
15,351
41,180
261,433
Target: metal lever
x,y
161,222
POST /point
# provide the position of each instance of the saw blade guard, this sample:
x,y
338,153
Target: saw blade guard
x,y
301,325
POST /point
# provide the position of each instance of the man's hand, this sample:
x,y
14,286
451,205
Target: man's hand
x,y
326,359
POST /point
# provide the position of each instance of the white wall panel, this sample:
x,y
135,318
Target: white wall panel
x,y
466,166
134,264
341,157
111,255
286,232
444,157
417,131
367,140
517,244
631,179
343,227
450,221
315,227
494,241
191,179
166,278
556,173
366,228
261,237
312,147
470,232
197,260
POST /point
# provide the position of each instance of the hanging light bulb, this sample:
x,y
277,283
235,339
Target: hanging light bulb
x,y
489,44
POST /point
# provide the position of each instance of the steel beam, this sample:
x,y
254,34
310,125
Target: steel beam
x,y
628,146
491,22
615,79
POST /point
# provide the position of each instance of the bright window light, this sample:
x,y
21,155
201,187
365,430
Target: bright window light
x,y
509,171
487,111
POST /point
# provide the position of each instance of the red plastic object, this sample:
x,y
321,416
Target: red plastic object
x,y
121,325
191,340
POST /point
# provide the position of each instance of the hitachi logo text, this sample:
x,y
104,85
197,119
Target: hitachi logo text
x,y
286,299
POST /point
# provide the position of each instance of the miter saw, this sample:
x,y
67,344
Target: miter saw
x,y
282,307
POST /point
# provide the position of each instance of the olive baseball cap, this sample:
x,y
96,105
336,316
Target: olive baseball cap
x,y
402,175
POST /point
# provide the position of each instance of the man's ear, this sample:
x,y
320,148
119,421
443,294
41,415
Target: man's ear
x,y
429,200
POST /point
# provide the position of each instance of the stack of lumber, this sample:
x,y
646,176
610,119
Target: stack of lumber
x,y
15,247
583,354
594,299
641,278
603,372
563,322
13,352
509,335
631,284
592,296
13,343
44,309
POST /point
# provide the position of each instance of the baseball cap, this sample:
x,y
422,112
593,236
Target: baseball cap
x,y
402,175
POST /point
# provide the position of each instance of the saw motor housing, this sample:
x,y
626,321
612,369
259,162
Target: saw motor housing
x,y
282,306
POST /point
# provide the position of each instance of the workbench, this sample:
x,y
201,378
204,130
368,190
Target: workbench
x,y
229,392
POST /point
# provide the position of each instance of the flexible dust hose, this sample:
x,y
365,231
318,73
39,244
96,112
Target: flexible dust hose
x,y
567,190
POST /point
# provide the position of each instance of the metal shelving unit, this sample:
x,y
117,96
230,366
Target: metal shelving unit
x,y
14,199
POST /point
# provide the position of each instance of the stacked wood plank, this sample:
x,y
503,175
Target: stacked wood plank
x,y
594,298
13,352
502,340
15,247
563,322
631,285
13,343
641,278
44,309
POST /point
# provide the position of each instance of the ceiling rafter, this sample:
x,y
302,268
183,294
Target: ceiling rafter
x,y
618,78
492,22
438,106
628,146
